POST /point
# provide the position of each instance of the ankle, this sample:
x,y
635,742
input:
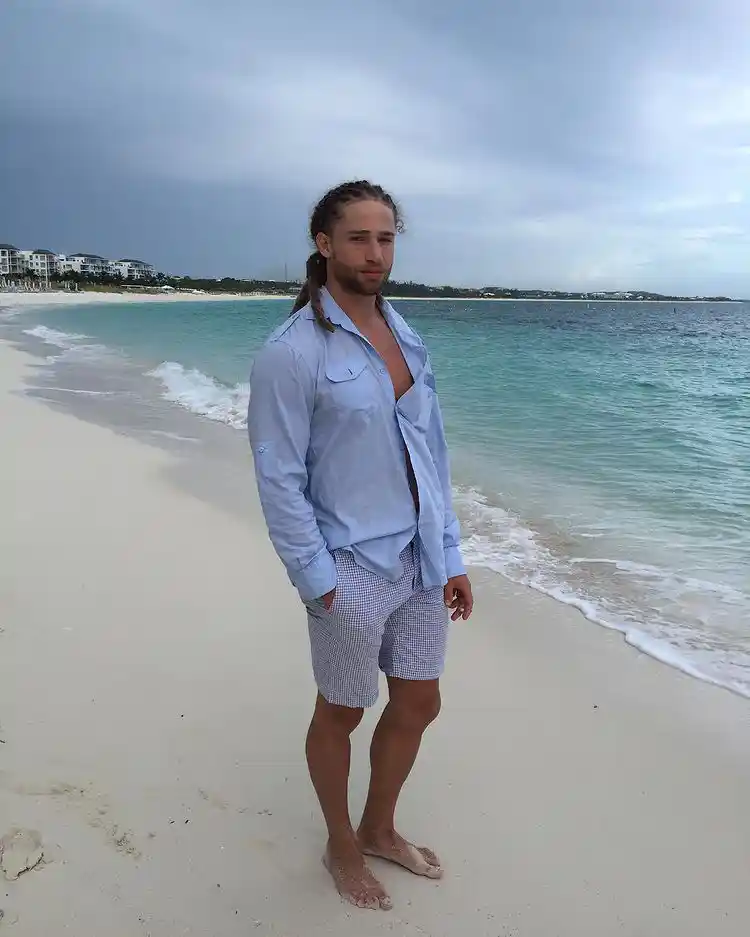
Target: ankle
x,y
373,829
343,841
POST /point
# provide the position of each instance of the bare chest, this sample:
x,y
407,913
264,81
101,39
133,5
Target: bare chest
x,y
389,350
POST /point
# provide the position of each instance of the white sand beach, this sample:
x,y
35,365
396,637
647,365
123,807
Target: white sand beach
x,y
10,300
155,691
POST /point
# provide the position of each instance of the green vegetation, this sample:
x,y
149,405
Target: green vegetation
x,y
394,288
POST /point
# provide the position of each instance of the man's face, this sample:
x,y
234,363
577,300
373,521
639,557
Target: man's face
x,y
360,248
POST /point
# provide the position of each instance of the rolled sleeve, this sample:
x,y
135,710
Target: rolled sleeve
x,y
317,578
279,414
454,565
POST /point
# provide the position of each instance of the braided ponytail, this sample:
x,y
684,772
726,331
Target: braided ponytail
x,y
310,292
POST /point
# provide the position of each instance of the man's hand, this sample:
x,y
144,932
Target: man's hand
x,y
328,598
458,596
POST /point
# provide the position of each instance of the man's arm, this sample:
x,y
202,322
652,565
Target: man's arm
x,y
282,393
457,593
454,565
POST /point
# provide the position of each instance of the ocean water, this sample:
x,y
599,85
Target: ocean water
x,y
601,453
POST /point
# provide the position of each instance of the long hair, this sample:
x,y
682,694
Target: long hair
x,y
325,214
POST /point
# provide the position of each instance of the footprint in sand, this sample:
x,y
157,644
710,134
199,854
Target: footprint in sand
x,y
20,851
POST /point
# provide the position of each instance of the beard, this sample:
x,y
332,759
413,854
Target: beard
x,y
354,282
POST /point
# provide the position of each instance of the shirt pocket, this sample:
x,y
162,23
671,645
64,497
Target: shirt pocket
x,y
349,386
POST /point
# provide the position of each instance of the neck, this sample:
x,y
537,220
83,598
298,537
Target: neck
x,y
360,309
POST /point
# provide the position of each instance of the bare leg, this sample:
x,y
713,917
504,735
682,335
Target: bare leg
x,y
413,705
328,756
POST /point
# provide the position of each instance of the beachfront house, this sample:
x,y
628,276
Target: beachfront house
x,y
41,262
91,265
132,269
47,264
11,264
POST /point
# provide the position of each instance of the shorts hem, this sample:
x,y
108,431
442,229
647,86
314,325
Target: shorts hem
x,y
336,699
405,675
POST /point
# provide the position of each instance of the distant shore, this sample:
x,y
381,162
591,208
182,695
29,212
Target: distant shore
x,y
52,297
548,299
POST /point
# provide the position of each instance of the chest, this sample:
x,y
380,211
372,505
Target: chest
x,y
352,394
383,341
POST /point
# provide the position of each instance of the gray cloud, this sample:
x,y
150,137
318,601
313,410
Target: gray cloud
x,y
581,144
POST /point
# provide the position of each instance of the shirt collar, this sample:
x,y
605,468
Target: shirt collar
x,y
413,349
338,317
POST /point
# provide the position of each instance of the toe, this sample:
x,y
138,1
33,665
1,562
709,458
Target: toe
x,y
429,856
372,902
366,902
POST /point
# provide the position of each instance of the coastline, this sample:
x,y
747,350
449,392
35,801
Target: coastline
x,y
146,737
549,299
60,297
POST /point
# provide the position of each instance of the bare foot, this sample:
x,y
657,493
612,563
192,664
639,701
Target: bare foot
x,y
354,881
394,848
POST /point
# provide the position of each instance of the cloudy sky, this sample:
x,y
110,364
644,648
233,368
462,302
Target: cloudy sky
x,y
588,144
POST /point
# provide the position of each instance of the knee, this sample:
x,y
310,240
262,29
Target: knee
x,y
416,706
334,718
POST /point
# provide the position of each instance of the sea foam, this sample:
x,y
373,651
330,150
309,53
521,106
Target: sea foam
x,y
71,344
497,539
204,395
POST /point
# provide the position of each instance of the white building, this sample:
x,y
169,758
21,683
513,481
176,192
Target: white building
x,y
11,264
91,265
41,262
46,264
132,269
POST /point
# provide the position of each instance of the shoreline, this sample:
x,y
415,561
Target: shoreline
x,y
64,297
575,771
547,299
67,297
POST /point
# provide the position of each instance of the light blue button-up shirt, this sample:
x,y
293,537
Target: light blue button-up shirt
x,y
328,440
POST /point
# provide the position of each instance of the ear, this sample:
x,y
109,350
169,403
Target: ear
x,y
323,243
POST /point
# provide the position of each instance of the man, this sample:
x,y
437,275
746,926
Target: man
x,y
353,476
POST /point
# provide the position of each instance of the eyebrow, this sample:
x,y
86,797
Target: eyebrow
x,y
366,231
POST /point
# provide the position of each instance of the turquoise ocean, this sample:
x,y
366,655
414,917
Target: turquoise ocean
x,y
601,452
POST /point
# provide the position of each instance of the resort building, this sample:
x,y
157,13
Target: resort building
x,y
41,262
85,264
10,261
45,264
132,269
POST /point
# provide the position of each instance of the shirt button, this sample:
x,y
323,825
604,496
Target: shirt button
x,y
382,370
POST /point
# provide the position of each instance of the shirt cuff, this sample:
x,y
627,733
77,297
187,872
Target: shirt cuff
x,y
317,578
454,564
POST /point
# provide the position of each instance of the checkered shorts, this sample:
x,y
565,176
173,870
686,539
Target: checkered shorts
x,y
374,624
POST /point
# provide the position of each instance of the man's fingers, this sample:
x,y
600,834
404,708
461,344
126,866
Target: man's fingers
x,y
460,601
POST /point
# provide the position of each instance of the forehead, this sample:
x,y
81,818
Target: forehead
x,y
367,215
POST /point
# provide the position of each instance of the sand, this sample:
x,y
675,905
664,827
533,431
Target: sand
x,y
154,694
66,297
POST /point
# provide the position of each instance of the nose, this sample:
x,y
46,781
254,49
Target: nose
x,y
374,254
